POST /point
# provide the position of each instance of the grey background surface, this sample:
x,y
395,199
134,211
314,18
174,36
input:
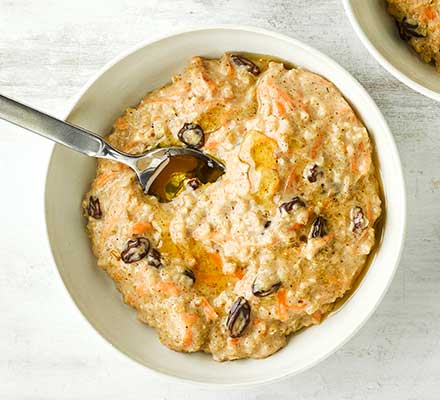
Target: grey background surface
x,y
48,50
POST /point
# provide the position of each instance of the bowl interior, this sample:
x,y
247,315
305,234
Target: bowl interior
x,y
70,174
379,29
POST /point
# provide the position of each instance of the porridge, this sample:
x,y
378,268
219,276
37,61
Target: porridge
x,y
234,267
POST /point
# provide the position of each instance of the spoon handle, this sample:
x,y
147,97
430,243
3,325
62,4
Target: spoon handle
x,y
52,128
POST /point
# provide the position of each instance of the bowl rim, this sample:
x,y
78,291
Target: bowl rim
x,y
402,234
418,87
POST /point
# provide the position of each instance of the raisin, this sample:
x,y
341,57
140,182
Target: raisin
x,y
94,207
292,205
154,258
135,250
319,227
190,274
244,62
313,174
260,290
358,220
407,30
239,317
192,135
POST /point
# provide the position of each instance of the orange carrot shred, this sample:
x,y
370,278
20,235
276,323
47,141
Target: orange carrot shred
x,y
121,123
296,307
208,310
327,201
295,227
317,143
369,211
282,304
279,108
291,181
231,70
430,13
188,319
283,95
209,82
102,179
140,227
168,288
317,316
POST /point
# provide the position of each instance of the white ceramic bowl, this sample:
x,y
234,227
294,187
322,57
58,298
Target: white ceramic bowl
x,y
121,84
377,31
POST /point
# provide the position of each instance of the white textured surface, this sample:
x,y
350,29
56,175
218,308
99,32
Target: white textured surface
x,y
48,49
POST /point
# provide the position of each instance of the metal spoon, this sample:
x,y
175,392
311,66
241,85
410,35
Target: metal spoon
x,y
147,166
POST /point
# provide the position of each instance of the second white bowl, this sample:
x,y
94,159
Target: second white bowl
x,y
377,31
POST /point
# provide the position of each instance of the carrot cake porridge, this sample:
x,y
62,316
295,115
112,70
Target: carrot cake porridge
x,y
233,267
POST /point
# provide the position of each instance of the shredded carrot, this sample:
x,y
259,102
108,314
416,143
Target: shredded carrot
x,y
317,316
296,307
140,227
353,163
295,227
209,82
291,181
283,307
317,143
102,179
360,240
231,70
282,304
187,339
168,288
283,95
189,320
120,167
363,235
234,341
430,13
327,238
208,310
354,160
369,211
121,123
327,201
279,108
